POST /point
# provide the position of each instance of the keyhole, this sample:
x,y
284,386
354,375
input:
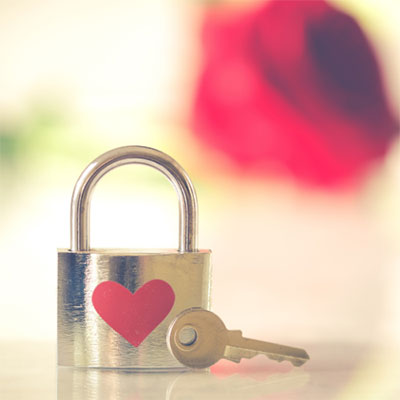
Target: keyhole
x,y
187,336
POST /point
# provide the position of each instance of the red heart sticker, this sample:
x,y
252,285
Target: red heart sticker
x,y
133,315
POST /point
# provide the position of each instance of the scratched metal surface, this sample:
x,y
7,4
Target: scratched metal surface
x,y
84,339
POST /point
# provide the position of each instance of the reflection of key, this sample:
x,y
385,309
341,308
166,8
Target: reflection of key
x,y
198,339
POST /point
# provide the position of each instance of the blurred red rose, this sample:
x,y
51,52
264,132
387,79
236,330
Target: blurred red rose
x,y
293,86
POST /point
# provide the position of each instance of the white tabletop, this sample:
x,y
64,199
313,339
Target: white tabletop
x,y
341,371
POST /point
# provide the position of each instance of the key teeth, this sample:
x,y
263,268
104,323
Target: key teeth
x,y
298,363
276,358
295,362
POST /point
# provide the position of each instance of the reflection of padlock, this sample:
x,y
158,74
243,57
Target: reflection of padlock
x,y
114,306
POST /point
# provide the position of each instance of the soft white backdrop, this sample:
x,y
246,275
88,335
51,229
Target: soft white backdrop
x,y
289,264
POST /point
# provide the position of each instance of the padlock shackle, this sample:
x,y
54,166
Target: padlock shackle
x,y
80,203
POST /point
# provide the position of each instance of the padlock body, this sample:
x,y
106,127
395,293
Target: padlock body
x,y
86,340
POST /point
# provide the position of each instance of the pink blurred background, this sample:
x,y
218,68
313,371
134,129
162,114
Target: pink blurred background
x,y
298,197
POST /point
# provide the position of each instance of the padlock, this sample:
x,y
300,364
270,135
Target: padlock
x,y
115,306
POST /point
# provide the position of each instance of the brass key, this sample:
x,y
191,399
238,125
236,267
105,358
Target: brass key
x,y
198,339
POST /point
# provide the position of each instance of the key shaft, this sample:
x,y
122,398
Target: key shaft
x,y
238,347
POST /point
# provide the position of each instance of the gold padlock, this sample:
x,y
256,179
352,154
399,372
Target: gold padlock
x,y
115,306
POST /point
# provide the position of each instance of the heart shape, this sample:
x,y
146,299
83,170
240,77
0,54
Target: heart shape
x,y
133,315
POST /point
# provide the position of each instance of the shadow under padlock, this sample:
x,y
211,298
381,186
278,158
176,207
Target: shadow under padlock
x,y
115,306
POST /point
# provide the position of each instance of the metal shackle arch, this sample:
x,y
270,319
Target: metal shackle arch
x,y
80,203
